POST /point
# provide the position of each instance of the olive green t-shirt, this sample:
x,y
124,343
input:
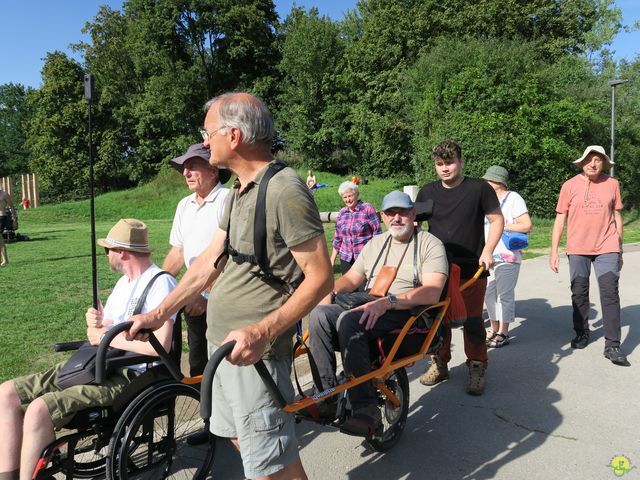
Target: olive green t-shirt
x,y
431,258
238,298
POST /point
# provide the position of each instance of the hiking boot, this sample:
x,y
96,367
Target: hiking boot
x,y
365,421
476,378
437,372
581,340
616,356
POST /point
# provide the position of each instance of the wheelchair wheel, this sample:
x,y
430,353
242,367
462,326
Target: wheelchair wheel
x,y
150,440
393,419
90,455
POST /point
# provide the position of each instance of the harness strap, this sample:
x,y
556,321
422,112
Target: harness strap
x,y
145,292
260,223
416,275
259,258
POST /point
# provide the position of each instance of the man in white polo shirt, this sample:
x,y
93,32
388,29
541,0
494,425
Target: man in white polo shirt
x,y
194,224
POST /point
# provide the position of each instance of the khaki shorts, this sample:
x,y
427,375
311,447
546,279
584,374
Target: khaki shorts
x,y
63,404
243,408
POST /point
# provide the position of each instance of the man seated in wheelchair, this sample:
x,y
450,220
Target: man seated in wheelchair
x,y
33,406
404,268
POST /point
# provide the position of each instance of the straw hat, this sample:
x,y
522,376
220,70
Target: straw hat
x,y
128,234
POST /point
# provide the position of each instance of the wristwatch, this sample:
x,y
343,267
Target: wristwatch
x,y
393,299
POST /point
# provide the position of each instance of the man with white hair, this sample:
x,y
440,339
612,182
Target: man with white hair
x,y
421,267
590,203
256,309
196,220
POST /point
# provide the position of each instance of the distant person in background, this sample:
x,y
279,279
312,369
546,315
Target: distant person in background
x,y
8,220
356,224
591,204
500,298
311,180
196,220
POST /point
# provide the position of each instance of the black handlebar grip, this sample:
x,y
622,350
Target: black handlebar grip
x,y
210,371
155,343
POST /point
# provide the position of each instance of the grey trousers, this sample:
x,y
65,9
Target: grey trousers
x,y
333,329
607,267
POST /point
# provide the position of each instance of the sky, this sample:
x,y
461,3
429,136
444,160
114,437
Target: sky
x,y
31,28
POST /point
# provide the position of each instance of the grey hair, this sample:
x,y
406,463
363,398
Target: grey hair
x,y
247,113
346,186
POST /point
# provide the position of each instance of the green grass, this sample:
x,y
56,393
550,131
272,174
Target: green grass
x,y
46,288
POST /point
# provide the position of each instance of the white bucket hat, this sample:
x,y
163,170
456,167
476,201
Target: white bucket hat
x,y
597,149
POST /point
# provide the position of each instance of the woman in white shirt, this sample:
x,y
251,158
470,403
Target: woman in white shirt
x,y
500,294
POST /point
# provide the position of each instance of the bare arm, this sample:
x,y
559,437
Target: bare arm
x,y
173,264
173,261
349,282
427,294
334,254
619,225
556,235
96,328
200,274
251,341
619,229
496,226
522,224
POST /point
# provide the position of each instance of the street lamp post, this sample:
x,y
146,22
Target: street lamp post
x,y
614,84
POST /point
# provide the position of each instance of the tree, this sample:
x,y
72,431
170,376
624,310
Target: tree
x,y
506,105
157,62
57,132
311,109
14,114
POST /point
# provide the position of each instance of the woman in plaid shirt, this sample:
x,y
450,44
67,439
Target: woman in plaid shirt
x,y
356,224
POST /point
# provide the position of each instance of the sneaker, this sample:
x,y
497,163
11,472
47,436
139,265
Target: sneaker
x,y
364,422
581,340
324,411
476,378
616,356
436,373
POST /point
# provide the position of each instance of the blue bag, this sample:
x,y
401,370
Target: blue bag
x,y
515,240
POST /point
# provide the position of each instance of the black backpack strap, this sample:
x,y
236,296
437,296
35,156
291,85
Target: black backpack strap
x,y
416,274
260,221
145,292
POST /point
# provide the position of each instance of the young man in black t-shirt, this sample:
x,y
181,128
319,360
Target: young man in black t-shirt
x,y
460,207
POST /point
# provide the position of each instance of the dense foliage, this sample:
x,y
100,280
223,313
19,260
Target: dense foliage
x,y
521,84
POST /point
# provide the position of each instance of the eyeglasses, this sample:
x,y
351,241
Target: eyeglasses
x,y
207,136
107,250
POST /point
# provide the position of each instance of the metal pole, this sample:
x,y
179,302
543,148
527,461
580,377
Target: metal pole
x,y
88,94
613,130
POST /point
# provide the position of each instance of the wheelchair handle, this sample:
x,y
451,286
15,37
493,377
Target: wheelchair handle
x,y
110,334
210,371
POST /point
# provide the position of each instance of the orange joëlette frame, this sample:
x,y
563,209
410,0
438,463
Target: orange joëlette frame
x,y
389,364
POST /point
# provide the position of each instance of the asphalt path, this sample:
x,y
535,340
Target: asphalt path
x,y
548,412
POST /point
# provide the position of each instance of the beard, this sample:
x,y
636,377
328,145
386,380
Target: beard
x,y
398,233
